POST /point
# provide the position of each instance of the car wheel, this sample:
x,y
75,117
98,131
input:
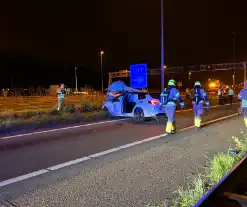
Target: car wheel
x,y
107,112
139,115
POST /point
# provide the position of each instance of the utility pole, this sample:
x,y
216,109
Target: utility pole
x,y
244,64
162,47
76,88
101,67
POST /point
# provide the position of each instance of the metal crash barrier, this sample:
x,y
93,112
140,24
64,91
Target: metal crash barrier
x,y
231,190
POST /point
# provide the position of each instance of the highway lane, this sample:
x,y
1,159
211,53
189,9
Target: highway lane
x,y
131,177
31,153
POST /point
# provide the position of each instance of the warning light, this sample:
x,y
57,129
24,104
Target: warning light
x,y
209,67
212,85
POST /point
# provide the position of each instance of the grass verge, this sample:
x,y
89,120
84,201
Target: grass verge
x,y
10,122
218,167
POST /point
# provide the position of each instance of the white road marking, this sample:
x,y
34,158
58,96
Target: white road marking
x,y
186,128
66,164
130,144
80,160
153,138
22,177
64,128
104,152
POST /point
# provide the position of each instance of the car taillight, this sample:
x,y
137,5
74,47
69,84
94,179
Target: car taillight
x,y
153,102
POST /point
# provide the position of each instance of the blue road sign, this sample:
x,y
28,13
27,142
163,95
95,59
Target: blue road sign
x,y
139,76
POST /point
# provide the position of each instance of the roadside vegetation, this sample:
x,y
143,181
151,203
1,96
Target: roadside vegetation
x,y
219,166
28,120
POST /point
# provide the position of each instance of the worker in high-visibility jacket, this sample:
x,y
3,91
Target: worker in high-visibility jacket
x,y
230,95
242,96
168,100
199,96
60,97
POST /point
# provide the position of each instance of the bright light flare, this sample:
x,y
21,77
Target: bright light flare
x,y
102,52
212,85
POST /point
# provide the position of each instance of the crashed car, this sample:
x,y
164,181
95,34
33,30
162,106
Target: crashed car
x,y
124,101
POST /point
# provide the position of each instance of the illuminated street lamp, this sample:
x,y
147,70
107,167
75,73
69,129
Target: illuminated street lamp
x,y
234,57
101,67
189,75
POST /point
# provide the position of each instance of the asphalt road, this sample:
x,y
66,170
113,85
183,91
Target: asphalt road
x,y
134,176
22,155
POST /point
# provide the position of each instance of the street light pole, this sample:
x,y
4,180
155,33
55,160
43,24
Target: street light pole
x,y
244,64
162,47
101,67
76,88
234,58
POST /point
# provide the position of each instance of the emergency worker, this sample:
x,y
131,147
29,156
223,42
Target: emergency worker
x,y
168,100
242,96
199,97
60,97
230,95
188,94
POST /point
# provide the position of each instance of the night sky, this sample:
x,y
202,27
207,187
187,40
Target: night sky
x,y
40,43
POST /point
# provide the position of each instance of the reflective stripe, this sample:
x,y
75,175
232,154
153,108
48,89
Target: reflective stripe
x,y
171,103
244,103
230,93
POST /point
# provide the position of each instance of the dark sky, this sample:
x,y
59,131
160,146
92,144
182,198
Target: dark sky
x,y
41,41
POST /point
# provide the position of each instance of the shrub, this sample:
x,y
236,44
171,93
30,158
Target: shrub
x,y
68,109
191,194
7,117
241,143
219,166
87,107
29,114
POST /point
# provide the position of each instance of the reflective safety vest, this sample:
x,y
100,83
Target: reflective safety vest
x,y
60,93
165,96
197,95
230,92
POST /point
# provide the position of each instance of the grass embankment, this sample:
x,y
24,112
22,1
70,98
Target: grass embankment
x,y
220,164
29,120
44,103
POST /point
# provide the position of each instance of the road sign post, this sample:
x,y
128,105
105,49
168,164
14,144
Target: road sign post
x,y
138,76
